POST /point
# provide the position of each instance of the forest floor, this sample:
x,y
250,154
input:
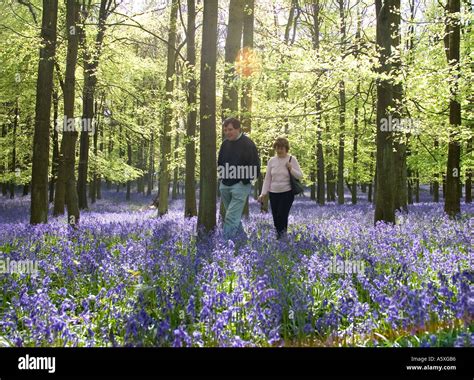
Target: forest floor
x,y
127,278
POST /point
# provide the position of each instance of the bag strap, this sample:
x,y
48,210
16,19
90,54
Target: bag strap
x,y
290,159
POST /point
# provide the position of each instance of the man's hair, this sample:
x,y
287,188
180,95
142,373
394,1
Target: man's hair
x,y
281,142
231,120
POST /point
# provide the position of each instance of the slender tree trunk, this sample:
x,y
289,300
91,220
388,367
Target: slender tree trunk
x,y
98,185
93,182
320,190
141,165
372,181
168,113
436,180
285,77
355,157
55,163
13,161
122,137
208,169
469,175
410,179
175,190
247,53
151,164
190,175
342,111
91,64
230,96
110,147
355,149
87,117
129,162
66,190
331,185
4,166
417,187
44,88
469,147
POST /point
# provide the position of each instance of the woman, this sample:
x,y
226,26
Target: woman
x,y
277,184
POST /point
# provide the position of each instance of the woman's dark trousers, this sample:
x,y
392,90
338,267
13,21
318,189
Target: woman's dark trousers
x,y
281,205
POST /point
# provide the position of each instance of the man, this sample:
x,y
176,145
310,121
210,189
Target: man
x,y
237,165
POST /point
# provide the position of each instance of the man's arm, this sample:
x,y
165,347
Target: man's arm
x,y
220,159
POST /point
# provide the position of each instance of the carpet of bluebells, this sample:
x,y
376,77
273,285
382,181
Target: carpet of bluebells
x,y
128,278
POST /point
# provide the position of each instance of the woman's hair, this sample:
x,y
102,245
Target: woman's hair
x,y
281,142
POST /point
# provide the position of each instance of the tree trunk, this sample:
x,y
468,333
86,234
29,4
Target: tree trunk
x,y
208,169
151,164
399,155
55,163
230,97
13,162
190,175
285,78
469,175
436,180
91,64
342,111
354,149
452,205
98,185
129,162
66,184
141,165
44,88
355,156
417,187
93,182
246,55
175,190
384,203
320,189
110,147
87,117
247,51
168,113
4,166
371,168
331,185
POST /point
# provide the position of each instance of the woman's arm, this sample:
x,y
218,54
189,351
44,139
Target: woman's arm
x,y
268,180
295,168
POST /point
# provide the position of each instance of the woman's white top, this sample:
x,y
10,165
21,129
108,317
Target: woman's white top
x,y
277,178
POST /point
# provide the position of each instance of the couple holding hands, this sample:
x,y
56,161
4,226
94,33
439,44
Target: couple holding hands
x,y
239,164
